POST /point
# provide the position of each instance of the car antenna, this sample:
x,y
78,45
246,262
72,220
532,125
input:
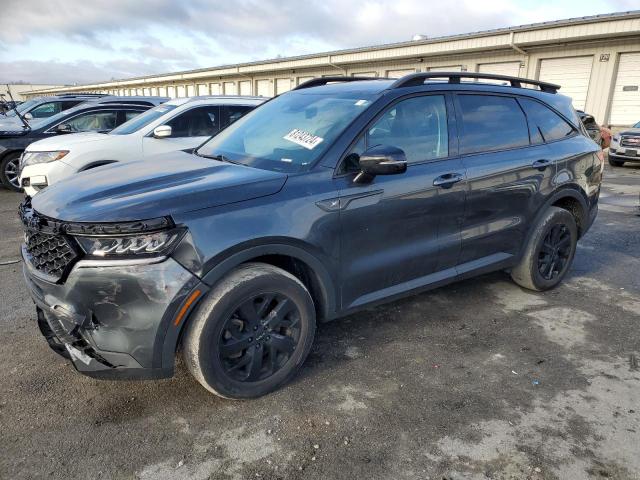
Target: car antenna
x,y
24,122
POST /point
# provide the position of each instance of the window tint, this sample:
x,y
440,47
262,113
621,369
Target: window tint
x,y
94,121
70,103
46,110
491,123
417,125
129,114
231,113
197,122
545,124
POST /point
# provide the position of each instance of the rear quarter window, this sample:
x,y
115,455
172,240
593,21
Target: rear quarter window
x,y
491,123
545,125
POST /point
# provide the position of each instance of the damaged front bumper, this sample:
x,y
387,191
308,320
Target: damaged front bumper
x,y
113,319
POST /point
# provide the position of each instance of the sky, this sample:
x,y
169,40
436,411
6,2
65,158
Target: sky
x,y
78,42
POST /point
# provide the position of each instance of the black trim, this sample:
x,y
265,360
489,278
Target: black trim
x,y
417,79
316,82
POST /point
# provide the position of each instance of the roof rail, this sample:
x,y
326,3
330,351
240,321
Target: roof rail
x,y
316,82
415,79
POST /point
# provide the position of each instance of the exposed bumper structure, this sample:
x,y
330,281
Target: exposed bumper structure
x,y
115,320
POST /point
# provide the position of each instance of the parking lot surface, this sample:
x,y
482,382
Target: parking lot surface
x,y
479,379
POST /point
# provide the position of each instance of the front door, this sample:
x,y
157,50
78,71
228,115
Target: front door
x,y
401,232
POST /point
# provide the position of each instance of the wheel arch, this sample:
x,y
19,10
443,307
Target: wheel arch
x,y
573,199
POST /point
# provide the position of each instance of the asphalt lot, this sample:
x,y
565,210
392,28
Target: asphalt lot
x,y
476,380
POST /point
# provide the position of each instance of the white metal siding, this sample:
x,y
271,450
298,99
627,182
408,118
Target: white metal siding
x,y
365,74
572,74
245,87
263,88
203,89
504,68
283,85
446,68
625,106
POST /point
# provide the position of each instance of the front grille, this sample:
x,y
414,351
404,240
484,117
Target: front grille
x,y
50,254
631,142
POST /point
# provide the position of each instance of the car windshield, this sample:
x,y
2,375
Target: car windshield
x,y
290,132
23,107
142,120
637,125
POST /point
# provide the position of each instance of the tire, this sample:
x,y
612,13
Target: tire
x,y
9,171
549,251
615,163
255,308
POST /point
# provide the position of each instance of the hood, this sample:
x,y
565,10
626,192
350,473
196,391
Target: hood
x,y
66,142
159,186
630,131
8,123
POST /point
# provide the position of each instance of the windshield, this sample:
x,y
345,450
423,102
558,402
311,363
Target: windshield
x,y
23,107
288,133
142,120
637,125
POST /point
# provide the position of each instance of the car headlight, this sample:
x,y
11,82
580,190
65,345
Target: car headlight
x,y
32,158
616,138
126,246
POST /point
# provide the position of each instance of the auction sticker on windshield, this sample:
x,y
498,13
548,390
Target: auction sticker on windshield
x,y
304,139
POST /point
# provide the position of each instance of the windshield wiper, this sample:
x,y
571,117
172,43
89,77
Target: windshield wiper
x,y
219,157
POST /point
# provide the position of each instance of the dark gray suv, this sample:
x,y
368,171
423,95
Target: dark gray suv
x,y
338,195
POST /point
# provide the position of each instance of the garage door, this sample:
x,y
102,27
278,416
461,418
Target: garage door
x,y
366,74
400,73
203,89
263,88
625,106
245,87
214,88
301,80
511,69
191,90
572,74
283,85
182,91
229,88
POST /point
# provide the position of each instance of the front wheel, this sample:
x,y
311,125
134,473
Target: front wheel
x,y
251,333
549,251
9,167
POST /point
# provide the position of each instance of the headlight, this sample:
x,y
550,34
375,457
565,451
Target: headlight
x,y
139,245
616,138
32,158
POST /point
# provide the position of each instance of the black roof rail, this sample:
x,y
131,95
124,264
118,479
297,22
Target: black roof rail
x,y
316,82
416,79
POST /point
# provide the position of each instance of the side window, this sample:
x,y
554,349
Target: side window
x,y
231,113
93,121
491,123
129,114
197,122
67,104
417,125
545,124
46,110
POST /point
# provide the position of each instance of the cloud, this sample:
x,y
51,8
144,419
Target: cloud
x,y
109,38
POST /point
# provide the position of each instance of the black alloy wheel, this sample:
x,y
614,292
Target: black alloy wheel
x,y
10,173
555,252
259,337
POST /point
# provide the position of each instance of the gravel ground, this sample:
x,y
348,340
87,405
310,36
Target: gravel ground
x,y
477,380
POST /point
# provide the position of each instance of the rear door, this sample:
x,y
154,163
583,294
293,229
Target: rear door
x,y
188,130
401,232
506,177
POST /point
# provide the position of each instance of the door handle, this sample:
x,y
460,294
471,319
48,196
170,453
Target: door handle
x,y
447,180
541,164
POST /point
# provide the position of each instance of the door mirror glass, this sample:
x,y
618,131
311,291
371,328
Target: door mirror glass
x,y
163,131
381,160
64,128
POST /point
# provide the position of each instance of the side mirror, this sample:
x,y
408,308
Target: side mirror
x,y
163,131
28,116
381,160
64,128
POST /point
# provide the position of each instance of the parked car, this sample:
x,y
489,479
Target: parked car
x,y
178,124
86,117
43,107
592,127
6,105
340,194
625,146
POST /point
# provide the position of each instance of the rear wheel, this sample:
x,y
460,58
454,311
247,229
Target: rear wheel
x,y
9,171
252,332
549,251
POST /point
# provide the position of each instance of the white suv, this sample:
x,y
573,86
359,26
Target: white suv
x,y
180,124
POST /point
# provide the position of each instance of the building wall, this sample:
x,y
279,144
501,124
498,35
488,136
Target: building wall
x,y
22,91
